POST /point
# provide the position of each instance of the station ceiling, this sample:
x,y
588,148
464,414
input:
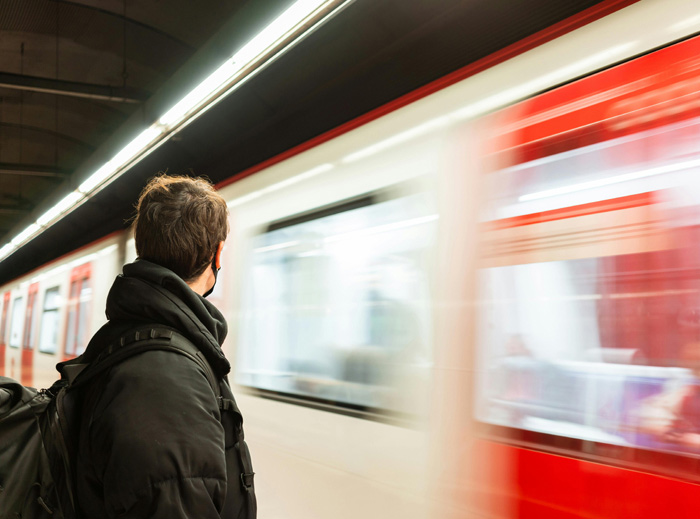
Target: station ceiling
x,y
76,75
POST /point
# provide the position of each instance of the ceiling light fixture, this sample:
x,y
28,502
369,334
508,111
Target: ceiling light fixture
x,y
300,19
290,27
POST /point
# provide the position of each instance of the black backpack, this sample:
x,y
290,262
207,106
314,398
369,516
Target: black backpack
x,y
37,445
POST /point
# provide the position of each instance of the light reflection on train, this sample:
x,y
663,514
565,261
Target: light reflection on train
x,y
448,314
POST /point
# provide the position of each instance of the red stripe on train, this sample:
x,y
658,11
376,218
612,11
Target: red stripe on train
x,y
655,90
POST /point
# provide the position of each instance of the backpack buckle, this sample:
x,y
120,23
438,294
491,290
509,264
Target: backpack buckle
x,y
247,480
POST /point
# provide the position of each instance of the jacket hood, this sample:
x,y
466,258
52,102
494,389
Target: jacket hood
x,y
149,293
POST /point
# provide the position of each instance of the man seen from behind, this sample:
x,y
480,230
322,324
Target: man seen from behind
x,y
155,440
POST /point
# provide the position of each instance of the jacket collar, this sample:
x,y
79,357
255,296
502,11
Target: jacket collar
x,y
147,292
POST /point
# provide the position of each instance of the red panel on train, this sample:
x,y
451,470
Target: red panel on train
x,y
589,325
655,90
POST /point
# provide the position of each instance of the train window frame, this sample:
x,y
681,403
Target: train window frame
x,y
356,410
29,336
343,206
43,327
16,323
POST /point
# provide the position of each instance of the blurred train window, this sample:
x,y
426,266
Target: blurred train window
x,y
48,340
78,305
16,322
3,319
30,312
336,305
589,299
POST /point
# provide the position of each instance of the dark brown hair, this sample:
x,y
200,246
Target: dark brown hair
x,y
179,223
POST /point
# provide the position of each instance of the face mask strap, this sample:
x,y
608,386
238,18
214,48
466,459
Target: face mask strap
x,y
215,270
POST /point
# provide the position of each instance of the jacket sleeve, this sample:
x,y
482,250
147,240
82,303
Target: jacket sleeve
x,y
156,440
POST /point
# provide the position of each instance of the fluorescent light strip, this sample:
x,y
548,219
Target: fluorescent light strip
x,y
288,28
61,207
266,42
214,83
6,250
29,231
137,146
660,170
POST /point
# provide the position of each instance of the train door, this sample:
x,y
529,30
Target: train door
x,y
16,325
28,342
3,329
44,372
460,467
78,308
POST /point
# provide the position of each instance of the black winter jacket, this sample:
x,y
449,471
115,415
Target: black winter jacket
x,y
151,443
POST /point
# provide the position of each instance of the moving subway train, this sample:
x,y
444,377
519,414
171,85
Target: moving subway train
x,y
483,304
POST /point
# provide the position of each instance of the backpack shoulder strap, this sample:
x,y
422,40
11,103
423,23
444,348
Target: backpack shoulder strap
x,y
140,340
180,343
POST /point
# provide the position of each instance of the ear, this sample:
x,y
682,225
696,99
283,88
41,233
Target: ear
x,y
218,254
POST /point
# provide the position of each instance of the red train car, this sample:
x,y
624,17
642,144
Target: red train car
x,y
587,343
